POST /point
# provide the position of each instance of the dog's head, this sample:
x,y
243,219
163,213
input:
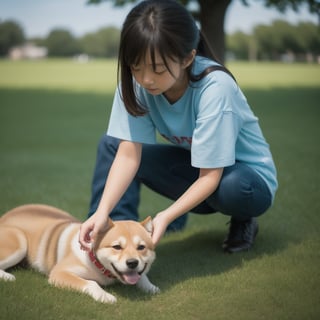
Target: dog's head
x,y
126,249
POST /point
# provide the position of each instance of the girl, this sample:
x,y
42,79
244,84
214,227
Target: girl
x,y
218,159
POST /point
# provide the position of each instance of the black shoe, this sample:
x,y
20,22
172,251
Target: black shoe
x,y
241,235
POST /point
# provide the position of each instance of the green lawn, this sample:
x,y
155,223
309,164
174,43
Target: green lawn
x,y
52,114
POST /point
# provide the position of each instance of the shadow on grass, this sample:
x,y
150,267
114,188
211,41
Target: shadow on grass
x,y
194,257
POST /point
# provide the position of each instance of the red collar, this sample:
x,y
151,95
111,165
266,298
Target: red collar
x,y
99,265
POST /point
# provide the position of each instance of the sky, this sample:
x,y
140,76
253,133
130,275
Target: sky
x,y
39,17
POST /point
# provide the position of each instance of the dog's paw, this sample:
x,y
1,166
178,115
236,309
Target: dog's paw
x,y
106,297
145,285
152,289
7,276
98,294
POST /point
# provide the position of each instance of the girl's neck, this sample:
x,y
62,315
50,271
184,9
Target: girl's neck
x,y
177,91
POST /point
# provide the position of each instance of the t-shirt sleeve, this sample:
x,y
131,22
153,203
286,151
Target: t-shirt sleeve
x,y
217,128
213,142
124,126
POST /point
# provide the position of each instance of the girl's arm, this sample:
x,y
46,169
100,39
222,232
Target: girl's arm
x,y
121,174
200,190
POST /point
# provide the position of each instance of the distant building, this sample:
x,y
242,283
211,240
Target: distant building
x,y
28,51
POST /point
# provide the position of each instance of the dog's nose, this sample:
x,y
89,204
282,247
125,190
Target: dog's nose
x,y
132,263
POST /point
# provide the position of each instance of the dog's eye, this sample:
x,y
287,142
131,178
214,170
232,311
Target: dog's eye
x,y
117,247
141,247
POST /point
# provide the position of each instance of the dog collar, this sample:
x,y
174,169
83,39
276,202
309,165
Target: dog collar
x,y
99,265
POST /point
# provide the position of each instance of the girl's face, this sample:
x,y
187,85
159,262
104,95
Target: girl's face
x,y
171,81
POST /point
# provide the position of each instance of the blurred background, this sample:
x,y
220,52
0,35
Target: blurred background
x,y
238,29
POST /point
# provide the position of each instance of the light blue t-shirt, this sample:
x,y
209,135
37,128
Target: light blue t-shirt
x,y
212,119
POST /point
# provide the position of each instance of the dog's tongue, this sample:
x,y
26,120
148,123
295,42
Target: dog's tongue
x,y
131,278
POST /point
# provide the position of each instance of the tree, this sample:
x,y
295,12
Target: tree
x,y
103,43
211,15
286,35
267,43
308,37
279,40
239,44
11,34
61,43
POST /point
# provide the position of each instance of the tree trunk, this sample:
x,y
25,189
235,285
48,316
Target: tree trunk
x,y
212,14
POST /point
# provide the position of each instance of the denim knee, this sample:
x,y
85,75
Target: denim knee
x,y
242,193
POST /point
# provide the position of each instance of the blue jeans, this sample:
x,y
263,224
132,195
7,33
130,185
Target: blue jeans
x,y
167,170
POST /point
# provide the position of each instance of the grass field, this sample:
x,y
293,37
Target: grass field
x,y
52,114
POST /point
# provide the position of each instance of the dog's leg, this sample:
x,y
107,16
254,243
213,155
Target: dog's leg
x,y
13,249
97,293
67,279
145,285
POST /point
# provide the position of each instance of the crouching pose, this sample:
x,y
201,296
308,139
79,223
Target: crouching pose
x,y
216,158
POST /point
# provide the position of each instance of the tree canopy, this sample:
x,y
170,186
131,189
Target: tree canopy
x,y
60,42
11,34
276,42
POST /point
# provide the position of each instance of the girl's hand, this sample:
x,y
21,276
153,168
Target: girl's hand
x,y
159,227
90,229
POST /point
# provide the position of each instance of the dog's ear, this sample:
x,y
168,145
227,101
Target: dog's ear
x,y
147,224
102,233
106,228
110,224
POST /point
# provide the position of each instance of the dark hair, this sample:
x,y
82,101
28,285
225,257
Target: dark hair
x,y
162,26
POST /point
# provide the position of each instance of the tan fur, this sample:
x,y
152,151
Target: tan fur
x,y
48,238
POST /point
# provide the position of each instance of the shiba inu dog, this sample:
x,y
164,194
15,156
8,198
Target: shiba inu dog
x,y
48,239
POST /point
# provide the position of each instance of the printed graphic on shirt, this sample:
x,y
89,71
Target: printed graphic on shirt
x,y
184,141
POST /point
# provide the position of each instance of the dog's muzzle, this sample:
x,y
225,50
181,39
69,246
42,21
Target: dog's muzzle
x,y
130,276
